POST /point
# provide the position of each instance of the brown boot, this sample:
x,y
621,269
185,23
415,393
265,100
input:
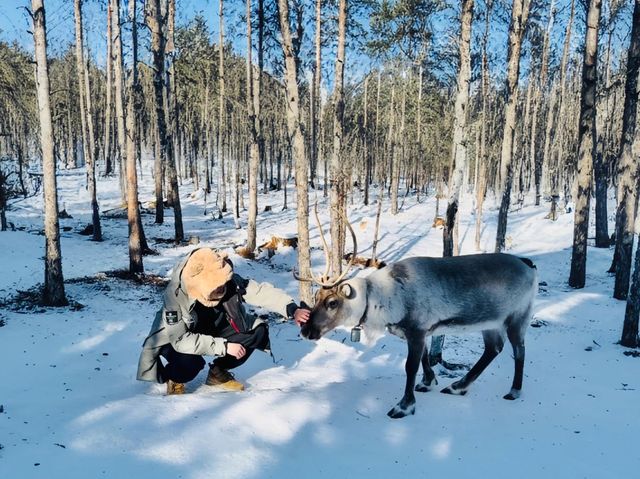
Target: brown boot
x,y
174,388
223,378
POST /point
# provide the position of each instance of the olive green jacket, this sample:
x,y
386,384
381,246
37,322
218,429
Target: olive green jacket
x,y
175,322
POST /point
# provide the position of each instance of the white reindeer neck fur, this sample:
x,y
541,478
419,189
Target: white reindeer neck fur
x,y
383,304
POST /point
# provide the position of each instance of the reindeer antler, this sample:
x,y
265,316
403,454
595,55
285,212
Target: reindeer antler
x,y
324,280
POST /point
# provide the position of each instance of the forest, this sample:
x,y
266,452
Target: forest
x,y
424,104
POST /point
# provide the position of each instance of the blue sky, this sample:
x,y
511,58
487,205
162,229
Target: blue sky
x,y
15,25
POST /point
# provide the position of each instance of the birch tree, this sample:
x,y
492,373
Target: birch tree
x,y
517,27
336,184
222,188
459,128
556,114
118,80
254,153
53,293
169,106
296,140
88,139
108,162
586,148
133,211
316,114
155,20
459,149
630,337
481,184
628,169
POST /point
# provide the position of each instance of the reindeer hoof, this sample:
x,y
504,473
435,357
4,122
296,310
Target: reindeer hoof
x,y
398,411
423,387
456,392
512,395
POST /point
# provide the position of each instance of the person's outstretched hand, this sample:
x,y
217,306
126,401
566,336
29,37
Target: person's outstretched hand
x,y
301,316
236,350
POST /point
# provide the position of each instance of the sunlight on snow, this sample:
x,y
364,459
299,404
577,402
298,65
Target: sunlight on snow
x,y
442,448
109,409
89,343
558,310
396,433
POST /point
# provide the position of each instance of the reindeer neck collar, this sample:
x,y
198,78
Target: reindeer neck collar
x,y
363,318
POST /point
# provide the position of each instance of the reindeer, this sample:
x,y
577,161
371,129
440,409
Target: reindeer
x,y
421,296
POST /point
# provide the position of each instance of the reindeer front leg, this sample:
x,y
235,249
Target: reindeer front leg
x,y
407,405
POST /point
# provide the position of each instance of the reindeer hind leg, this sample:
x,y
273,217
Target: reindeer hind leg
x,y
428,377
493,344
515,333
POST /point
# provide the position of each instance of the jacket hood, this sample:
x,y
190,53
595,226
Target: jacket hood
x,y
174,294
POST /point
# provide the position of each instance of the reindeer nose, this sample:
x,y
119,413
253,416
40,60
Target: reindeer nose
x,y
308,332
304,330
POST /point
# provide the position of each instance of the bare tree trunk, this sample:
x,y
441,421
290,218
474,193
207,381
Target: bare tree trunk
x,y
375,234
535,155
221,108
119,91
336,188
207,136
459,128
459,151
169,98
257,97
552,151
88,140
234,157
254,153
296,139
70,161
628,170
155,21
393,157
586,149
108,164
158,168
519,16
366,138
632,312
483,157
600,170
133,212
53,293
315,93
86,150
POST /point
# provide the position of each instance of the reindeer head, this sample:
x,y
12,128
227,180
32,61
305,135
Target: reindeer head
x,y
341,305
338,302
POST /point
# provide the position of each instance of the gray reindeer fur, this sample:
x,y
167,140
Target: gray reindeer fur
x,y
419,297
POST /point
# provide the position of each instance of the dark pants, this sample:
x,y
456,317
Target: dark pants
x,y
182,368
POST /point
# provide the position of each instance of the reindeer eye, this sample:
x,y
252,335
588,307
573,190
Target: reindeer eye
x,y
332,304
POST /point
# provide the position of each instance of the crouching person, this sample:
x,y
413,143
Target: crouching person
x,y
203,315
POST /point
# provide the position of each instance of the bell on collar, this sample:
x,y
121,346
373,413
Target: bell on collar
x,y
355,334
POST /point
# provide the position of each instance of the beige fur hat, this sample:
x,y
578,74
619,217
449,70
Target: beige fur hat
x,y
205,272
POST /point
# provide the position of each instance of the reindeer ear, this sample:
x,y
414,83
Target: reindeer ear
x,y
346,290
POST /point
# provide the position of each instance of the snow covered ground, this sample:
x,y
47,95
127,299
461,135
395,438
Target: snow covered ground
x,y
71,407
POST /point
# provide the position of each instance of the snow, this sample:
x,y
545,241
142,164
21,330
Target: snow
x,y
72,407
